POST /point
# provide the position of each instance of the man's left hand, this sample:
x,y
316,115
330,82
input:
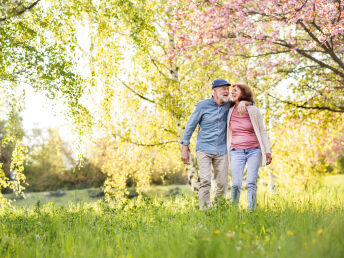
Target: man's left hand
x,y
242,107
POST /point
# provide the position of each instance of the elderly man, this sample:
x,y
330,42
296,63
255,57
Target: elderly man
x,y
211,150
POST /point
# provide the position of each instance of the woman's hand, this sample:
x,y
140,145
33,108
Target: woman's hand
x,y
268,158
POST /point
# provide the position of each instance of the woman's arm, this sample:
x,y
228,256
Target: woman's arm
x,y
265,137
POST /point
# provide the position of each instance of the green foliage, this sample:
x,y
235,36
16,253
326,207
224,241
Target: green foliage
x,y
145,89
46,163
305,147
340,164
51,166
147,98
38,50
130,165
289,224
84,176
7,146
13,151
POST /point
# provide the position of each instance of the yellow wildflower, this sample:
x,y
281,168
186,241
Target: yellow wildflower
x,y
320,232
243,222
216,232
290,233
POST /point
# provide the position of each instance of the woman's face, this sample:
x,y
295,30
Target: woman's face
x,y
236,93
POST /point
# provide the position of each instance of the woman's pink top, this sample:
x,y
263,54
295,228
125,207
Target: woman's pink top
x,y
243,135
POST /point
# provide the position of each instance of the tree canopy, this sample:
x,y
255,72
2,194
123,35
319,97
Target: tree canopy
x,y
132,72
299,41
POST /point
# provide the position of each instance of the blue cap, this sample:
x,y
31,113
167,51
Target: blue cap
x,y
219,82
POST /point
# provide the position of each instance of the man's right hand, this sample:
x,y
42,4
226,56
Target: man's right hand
x,y
185,154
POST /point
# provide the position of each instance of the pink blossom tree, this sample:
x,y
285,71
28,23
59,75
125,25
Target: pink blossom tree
x,y
290,51
299,40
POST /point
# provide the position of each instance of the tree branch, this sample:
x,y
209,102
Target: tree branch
x,y
144,144
304,106
328,50
339,10
21,12
128,140
303,53
296,70
174,133
303,5
262,55
158,68
135,92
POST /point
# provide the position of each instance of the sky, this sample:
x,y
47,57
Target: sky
x,y
40,112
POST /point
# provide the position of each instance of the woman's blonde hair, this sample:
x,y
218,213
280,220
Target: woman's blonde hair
x,y
246,92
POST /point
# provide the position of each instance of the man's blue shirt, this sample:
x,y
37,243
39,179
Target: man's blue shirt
x,y
212,119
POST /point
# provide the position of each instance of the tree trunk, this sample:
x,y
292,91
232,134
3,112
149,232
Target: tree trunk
x,y
193,177
272,181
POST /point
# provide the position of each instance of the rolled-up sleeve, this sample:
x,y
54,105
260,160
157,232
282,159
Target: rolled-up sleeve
x,y
193,121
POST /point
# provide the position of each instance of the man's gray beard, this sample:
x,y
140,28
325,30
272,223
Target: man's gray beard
x,y
223,99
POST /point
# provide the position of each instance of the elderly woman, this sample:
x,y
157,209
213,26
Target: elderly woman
x,y
247,143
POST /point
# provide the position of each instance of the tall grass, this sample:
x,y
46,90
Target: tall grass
x,y
287,224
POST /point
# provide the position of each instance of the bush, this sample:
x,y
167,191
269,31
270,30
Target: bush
x,y
39,179
340,165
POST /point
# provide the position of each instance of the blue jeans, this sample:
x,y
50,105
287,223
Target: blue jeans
x,y
239,158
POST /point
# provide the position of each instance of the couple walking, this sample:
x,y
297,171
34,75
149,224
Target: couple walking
x,y
232,134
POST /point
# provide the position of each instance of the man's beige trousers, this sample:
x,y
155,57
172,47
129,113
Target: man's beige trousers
x,y
220,176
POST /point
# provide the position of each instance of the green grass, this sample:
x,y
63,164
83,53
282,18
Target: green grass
x,y
70,197
83,196
334,181
287,224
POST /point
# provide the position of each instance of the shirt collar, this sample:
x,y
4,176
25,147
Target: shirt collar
x,y
213,102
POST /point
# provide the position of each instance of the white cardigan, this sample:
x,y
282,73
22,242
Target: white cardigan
x,y
259,129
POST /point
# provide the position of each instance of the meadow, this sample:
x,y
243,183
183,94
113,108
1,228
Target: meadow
x,y
168,223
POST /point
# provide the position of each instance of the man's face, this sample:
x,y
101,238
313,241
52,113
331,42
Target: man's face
x,y
222,93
